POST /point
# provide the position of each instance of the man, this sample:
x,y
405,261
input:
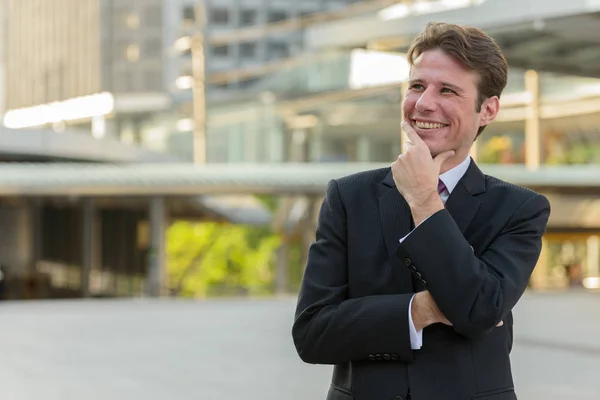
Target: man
x,y
409,286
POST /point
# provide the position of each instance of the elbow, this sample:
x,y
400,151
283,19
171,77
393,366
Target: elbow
x,y
312,347
481,316
305,348
474,329
477,324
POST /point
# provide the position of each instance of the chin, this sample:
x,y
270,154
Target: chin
x,y
435,148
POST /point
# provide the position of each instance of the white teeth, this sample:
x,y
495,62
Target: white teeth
x,y
427,125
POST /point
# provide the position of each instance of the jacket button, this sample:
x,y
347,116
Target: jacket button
x,y
378,357
371,357
407,261
386,357
418,275
424,282
394,357
397,398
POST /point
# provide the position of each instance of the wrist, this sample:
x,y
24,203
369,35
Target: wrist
x,y
424,209
420,312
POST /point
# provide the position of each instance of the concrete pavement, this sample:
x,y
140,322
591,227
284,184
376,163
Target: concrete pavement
x,y
226,349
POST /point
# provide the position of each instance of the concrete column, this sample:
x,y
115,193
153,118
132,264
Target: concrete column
x,y
363,149
16,239
533,135
89,244
593,256
539,277
156,257
315,141
35,207
298,145
283,253
283,264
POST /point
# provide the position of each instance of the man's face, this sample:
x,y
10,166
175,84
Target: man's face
x,y
441,102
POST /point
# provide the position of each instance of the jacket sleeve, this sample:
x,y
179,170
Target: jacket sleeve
x,y
475,294
330,327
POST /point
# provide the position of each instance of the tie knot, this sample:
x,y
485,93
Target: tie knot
x,y
441,186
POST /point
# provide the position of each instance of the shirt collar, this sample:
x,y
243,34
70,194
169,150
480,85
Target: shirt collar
x,y
452,176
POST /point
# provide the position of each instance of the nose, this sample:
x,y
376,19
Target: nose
x,y
426,102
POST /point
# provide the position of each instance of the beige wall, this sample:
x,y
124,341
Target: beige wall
x,y
52,50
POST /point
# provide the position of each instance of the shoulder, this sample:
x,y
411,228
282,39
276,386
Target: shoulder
x,y
509,193
363,178
358,185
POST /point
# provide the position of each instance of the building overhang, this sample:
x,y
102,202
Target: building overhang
x,y
225,191
185,179
556,36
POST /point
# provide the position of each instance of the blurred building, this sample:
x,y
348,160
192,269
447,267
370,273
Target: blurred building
x,y
239,51
100,80
104,57
341,101
86,82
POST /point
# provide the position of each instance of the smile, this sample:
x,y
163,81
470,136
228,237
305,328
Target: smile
x,y
428,125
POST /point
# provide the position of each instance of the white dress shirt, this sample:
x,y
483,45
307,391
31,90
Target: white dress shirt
x,y
450,179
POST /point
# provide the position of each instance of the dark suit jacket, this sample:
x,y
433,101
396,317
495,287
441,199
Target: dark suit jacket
x,y
354,299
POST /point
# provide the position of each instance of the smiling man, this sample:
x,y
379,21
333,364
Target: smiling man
x,y
410,283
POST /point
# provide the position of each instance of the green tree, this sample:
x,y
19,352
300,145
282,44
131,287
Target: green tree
x,y
212,258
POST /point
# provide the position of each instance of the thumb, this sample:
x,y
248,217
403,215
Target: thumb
x,y
441,158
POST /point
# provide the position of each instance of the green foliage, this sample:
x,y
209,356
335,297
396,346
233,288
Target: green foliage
x,y
576,153
212,258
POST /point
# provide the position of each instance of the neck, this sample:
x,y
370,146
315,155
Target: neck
x,y
453,162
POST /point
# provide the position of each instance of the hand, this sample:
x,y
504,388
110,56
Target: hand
x,y
416,172
425,312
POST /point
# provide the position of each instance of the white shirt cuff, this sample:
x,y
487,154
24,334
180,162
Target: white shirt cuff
x,y
402,240
416,338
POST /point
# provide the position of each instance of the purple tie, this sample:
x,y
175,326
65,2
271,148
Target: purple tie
x,y
441,187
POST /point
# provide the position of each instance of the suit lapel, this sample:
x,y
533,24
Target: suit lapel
x,y
462,203
396,219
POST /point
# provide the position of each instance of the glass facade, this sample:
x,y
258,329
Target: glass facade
x,y
364,124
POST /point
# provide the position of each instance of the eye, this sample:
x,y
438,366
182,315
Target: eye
x,y
417,86
448,90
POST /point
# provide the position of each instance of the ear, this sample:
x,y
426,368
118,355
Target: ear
x,y
489,110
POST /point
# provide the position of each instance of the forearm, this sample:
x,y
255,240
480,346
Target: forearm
x,y
355,329
473,294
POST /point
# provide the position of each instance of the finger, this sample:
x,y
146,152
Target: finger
x,y
441,158
406,146
500,324
412,134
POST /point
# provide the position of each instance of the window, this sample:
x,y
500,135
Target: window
x,y
220,51
123,82
248,50
219,16
152,48
153,16
248,17
275,16
153,81
278,50
189,14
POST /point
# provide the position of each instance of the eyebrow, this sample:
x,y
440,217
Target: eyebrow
x,y
445,84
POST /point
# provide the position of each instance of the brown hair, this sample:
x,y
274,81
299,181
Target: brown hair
x,y
470,46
